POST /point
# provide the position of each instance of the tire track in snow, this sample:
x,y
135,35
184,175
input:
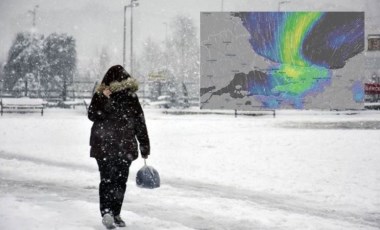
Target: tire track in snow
x,y
193,218
36,160
269,201
280,202
178,216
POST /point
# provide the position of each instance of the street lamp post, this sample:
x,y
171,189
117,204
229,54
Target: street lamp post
x,y
166,45
281,3
133,3
124,38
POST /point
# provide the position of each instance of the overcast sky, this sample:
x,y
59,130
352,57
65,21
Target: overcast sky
x,y
99,23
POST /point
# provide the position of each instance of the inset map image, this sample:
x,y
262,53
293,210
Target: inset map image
x,y
282,60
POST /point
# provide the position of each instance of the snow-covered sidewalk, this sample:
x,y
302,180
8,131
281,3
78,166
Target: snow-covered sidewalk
x,y
295,171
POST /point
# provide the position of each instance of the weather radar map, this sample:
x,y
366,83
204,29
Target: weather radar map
x,y
282,60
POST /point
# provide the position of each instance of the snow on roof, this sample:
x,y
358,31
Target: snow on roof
x,y
373,36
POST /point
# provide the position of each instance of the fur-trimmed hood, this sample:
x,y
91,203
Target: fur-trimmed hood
x,y
116,86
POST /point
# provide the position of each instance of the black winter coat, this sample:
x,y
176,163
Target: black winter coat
x,y
118,122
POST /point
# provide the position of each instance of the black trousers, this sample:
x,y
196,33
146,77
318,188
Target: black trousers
x,y
113,183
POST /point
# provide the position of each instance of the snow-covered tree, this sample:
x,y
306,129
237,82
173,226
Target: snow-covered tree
x,y
26,62
183,53
148,64
174,64
97,66
152,59
60,51
14,68
37,65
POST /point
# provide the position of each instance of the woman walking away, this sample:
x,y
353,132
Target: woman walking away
x,y
118,121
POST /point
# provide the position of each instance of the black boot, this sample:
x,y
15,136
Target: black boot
x,y
109,221
119,222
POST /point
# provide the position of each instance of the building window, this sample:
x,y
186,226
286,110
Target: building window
x,y
374,42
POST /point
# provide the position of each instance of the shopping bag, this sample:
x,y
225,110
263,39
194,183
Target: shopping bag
x,y
147,177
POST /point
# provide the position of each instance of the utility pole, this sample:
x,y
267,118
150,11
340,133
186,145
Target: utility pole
x,y
222,3
34,13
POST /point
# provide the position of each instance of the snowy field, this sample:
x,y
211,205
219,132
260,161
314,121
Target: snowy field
x,y
300,170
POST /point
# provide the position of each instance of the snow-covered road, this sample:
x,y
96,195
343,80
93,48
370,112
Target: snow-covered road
x,y
218,172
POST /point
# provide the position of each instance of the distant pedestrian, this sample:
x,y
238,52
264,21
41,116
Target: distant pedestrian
x,y
118,121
